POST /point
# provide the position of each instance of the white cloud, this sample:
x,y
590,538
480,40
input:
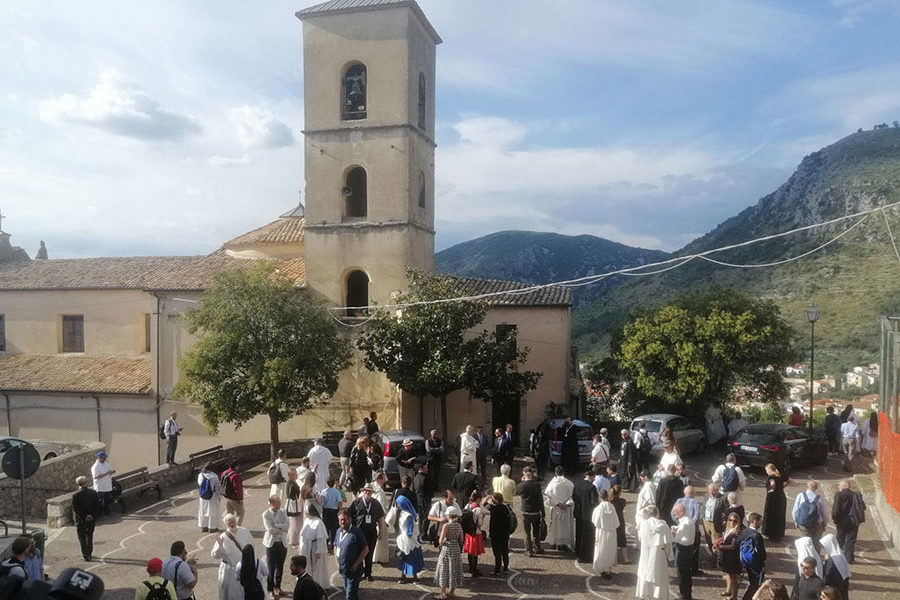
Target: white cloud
x,y
119,106
229,161
256,127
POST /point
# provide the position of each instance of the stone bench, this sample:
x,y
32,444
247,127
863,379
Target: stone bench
x,y
135,483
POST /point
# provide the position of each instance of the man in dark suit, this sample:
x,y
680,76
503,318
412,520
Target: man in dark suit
x,y
627,468
847,512
464,483
482,452
669,490
502,452
569,451
305,588
585,497
86,507
423,492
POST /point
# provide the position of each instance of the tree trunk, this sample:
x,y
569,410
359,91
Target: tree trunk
x,y
273,436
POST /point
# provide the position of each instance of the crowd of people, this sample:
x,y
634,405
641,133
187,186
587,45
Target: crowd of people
x,y
338,521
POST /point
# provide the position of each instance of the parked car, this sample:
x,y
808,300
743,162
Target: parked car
x,y
555,431
687,437
390,442
46,450
786,446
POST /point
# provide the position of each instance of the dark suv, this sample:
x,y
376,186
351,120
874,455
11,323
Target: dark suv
x,y
785,446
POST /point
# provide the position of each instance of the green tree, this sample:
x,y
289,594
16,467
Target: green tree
x,y
693,352
264,348
429,350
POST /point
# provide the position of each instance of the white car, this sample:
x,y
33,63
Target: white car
x,y
687,437
46,450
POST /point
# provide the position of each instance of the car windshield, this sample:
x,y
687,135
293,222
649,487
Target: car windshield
x,y
755,438
652,426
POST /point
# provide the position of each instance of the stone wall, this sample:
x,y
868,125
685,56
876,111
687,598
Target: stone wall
x,y
55,476
58,508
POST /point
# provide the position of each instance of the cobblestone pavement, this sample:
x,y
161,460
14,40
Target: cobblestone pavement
x,y
124,543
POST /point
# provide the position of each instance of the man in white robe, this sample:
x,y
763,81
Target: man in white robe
x,y
314,546
382,554
468,449
228,549
561,507
208,513
606,521
320,463
656,552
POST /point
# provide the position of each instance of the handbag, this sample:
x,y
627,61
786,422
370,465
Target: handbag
x,y
542,534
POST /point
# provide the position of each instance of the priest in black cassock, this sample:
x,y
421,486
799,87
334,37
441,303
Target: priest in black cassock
x,y
668,491
585,497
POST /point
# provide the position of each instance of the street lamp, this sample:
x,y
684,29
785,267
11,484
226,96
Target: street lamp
x,y
812,313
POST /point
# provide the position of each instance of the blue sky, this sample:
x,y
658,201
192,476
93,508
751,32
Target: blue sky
x,y
169,127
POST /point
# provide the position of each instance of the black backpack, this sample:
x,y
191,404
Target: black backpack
x,y
228,485
158,591
162,436
857,512
513,520
646,445
274,473
467,521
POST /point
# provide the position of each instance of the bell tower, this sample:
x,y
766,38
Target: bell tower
x,y
368,76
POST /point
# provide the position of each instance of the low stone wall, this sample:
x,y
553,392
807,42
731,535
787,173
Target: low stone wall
x,y
58,509
54,477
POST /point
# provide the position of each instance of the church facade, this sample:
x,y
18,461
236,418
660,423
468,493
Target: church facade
x,y
89,347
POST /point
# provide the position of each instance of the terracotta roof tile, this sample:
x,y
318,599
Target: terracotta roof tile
x,y
547,296
283,231
75,373
165,273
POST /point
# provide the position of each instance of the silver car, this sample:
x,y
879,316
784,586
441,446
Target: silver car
x,y
46,450
688,438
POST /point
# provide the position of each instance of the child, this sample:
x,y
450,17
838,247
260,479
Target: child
x,y
614,478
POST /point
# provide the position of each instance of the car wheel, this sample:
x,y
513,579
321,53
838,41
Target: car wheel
x,y
786,466
50,455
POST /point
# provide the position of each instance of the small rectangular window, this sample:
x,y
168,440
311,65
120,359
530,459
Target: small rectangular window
x,y
506,334
146,332
2,333
73,333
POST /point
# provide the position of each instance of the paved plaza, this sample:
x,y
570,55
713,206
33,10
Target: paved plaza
x,y
124,543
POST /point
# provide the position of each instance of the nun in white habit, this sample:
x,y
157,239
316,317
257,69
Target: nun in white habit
x,y
805,548
314,546
836,569
656,552
606,521
228,550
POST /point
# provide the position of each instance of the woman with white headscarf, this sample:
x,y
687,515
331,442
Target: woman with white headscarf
x,y
805,548
409,551
314,546
836,568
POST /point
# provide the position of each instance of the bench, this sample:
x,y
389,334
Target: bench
x,y
135,483
216,456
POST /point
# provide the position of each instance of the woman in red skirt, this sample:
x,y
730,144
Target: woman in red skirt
x,y
472,522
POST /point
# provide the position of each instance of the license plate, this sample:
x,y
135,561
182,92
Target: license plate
x,y
752,449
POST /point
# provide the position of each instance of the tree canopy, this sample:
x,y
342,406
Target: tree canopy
x,y
264,348
695,351
433,350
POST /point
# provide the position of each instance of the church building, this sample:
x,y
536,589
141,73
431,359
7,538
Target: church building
x,y
89,347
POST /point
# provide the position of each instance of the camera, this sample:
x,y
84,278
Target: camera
x,y
71,584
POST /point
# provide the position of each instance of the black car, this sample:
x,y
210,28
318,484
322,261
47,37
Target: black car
x,y
786,446
390,442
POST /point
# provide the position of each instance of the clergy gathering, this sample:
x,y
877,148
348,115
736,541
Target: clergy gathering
x,y
310,301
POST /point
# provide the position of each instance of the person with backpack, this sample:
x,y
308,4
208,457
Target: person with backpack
x,y
14,566
847,512
471,521
228,547
306,587
171,431
502,520
752,547
208,513
278,476
644,445
251,573
233,491
729,476
154,587
809,513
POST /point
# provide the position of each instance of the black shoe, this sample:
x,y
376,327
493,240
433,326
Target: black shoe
x,y
204,529
86,558
403,581
495,572
605,576
698,573
530,554
505,570
369,578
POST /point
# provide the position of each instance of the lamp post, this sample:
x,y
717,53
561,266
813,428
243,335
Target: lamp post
x,y
812,313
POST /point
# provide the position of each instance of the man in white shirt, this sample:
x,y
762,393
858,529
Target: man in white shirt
x,y
729,476
102,473
809,513
849,434
604,439
685,532
171,430
599,453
